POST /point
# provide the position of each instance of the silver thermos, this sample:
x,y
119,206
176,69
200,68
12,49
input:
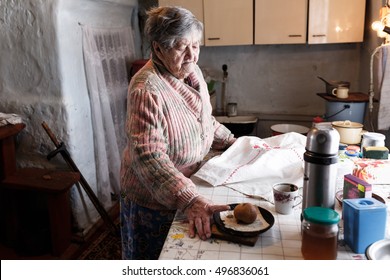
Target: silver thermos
x,y
321,157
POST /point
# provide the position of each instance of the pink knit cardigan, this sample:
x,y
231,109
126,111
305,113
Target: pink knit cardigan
x,y
170,130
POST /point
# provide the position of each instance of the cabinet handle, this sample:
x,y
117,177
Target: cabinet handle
x,y
214,38
294,35
319,35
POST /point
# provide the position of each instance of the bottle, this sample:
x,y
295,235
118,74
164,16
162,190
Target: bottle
x,y
319,233
320,174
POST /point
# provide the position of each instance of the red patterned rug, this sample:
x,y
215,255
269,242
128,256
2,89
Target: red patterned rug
x,y
105,246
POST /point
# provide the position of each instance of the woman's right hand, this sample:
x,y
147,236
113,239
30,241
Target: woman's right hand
x,y
199,215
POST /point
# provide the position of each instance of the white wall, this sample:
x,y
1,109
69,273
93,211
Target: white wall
x,y
72,14
29,76
42,79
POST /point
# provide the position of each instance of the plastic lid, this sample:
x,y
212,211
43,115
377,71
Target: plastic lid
x,y
368,203
347,124
353,148
352,153
321,215
374,135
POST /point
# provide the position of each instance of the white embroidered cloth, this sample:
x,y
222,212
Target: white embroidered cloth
x,y
253,165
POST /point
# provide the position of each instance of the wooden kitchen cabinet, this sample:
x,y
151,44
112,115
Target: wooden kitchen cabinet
x,y
336,21
280,24
247,22
228,22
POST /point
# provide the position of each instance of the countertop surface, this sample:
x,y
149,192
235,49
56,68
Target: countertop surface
x,y
281,242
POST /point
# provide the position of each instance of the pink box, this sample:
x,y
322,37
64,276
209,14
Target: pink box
x,y
356,188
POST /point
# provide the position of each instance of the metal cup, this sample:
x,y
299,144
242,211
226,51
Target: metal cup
x,y
232,109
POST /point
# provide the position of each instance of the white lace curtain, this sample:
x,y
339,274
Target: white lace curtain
x,y
107,55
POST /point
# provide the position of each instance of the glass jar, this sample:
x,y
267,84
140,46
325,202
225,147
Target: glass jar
x,y
320,233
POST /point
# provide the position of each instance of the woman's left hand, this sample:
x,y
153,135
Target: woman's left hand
x,y
199,215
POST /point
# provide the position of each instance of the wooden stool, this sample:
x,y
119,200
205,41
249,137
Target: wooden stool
x,y
54,186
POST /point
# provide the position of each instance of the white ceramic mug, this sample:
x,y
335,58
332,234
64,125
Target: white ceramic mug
x,y
286,197
340,92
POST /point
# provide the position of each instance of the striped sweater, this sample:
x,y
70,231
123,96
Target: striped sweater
x,y
170,130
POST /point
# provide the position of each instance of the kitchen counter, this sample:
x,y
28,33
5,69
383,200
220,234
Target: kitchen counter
x,y
281,242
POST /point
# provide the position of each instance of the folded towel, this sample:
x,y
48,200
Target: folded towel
x,y
253,165
384,88
6,119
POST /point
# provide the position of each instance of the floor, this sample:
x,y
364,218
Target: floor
x,y
7,253
76,248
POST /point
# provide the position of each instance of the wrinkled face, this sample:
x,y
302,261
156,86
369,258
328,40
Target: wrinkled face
x,y
182,58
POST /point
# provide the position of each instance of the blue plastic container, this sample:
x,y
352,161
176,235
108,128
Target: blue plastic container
x,y
364,222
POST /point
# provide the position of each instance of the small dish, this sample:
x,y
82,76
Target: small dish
x,y
267,216
379,250
339,197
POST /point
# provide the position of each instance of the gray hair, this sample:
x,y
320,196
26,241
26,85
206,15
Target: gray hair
x,y
166,25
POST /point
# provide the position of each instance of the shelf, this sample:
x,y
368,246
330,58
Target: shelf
x,y
352,97
10,130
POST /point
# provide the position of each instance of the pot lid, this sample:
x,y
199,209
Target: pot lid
x,y
347,124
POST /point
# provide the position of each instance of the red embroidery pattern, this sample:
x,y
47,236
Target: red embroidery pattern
x,y
297,154
240,166
265,147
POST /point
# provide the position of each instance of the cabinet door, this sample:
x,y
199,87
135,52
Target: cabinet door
x,y
195,6
276,23
336,21
228,22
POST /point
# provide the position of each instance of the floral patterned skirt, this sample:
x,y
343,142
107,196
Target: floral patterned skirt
x,y
143,231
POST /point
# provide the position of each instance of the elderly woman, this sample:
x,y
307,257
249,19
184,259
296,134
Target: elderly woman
x,y
170,130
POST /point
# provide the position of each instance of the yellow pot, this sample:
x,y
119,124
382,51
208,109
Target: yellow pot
x,y
350,132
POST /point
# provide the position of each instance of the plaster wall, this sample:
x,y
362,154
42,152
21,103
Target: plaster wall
x,y
29,77
282,79
42,79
